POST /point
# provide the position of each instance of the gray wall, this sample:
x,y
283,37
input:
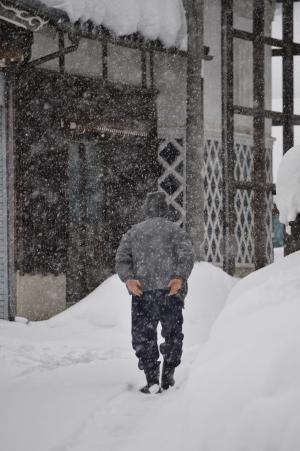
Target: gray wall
x,y
3,206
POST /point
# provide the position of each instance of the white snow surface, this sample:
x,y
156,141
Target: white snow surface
x,y
288,186
243,393
154,19
71,383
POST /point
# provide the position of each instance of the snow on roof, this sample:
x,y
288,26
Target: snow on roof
x,y
288,186
154,19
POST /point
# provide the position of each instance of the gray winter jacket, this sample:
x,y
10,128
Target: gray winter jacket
x,y
154,252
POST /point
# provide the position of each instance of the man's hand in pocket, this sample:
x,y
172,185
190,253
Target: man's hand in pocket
x,y
134,286
174,286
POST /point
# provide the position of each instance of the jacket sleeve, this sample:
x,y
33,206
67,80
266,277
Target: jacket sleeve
x,y
124,262
185,255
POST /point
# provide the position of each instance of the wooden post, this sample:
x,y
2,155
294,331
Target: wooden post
x,y
61,46
194,127
259,165
292,241
11,198
83,218
288,74
228,155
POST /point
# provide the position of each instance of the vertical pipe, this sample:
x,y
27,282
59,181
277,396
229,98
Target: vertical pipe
x,y
194,127
259,164
152,77
104,58
144,68
61,46
228,155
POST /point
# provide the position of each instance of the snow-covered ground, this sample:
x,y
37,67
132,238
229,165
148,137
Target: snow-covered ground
x,y
70,383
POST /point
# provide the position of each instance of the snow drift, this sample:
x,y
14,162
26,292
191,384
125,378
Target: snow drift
x,y
154,19
74,379
244,388
71,383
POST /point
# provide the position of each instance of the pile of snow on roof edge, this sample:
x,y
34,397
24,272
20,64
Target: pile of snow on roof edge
x,y
153,19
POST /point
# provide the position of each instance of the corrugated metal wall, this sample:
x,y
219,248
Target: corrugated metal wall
x,y
3,206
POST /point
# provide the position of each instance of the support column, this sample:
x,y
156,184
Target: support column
x,y
4,305
259,165
228,155
288,74
83,218
292,241
194,126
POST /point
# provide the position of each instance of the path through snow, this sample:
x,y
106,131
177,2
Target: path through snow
x,y
71,383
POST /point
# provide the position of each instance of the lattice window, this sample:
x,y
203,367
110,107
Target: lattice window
x,y
244,227
171,156
213,201
243,203
244,162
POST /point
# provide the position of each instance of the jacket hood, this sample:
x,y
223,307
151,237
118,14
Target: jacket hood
x,y
156,205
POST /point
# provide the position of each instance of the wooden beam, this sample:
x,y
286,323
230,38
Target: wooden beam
x,y
259,162
143,68
228,154
61,46
280,52
83,219
11,198
194,127
292,240
104,59
288,74
49,57
276,116
268,40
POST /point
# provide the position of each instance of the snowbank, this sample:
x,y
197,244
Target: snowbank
x,y
154,19
288,186
107,307
244,388
71,383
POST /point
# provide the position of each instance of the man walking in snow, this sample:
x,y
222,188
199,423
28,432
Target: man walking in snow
x,y
154,259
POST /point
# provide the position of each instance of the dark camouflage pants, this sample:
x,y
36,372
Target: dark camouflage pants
x,y
147,311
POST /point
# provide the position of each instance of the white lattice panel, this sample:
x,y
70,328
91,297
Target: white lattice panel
x,y
213,201
244,227
171,156
244,162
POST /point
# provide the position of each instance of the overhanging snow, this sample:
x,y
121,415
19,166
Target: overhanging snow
x,y
153,19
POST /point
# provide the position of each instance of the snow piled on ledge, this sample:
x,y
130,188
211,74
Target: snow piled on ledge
x,y
154,19
288,186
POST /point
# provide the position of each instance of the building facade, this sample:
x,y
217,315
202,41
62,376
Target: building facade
x,y
89,123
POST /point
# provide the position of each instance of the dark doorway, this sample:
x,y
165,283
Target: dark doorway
x,y
89,150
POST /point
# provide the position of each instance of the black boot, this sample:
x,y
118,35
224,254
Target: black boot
x,y
167,377
152,378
